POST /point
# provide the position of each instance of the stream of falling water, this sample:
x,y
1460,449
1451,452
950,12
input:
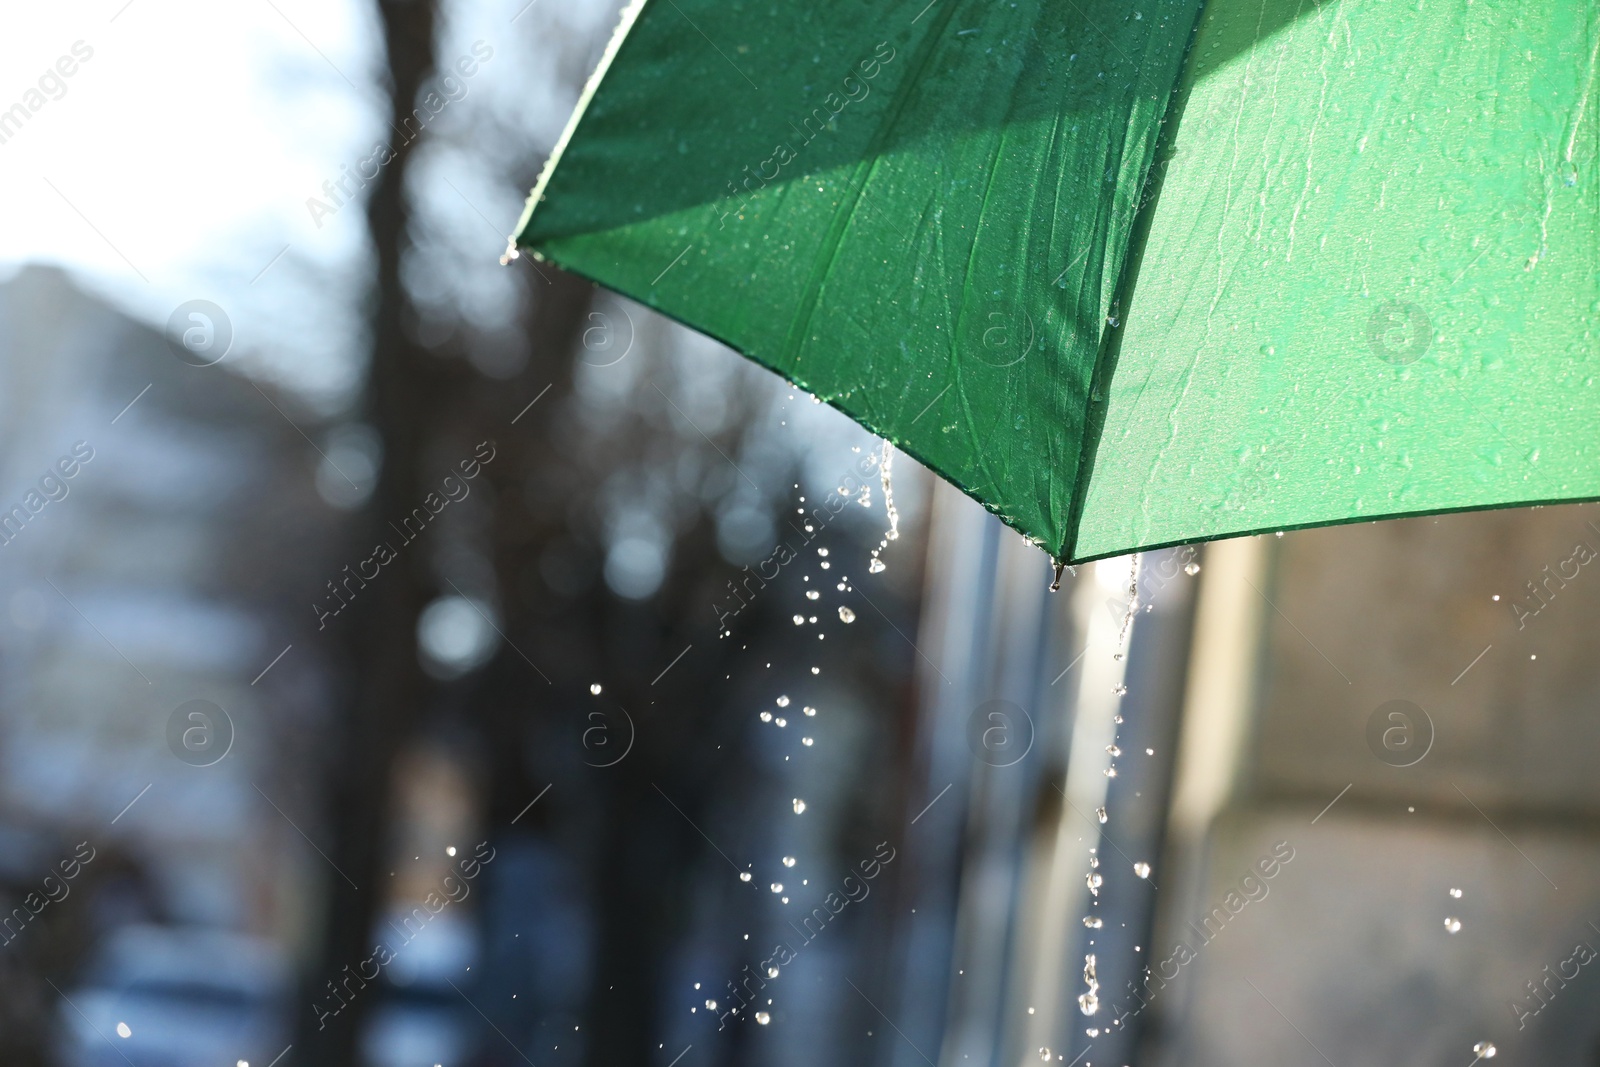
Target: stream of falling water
x,y
1089,1000
893,533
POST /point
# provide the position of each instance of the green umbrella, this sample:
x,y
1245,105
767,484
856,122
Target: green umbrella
x,y
1129,273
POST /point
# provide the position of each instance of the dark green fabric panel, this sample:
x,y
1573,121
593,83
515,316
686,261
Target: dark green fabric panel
x,y
918,212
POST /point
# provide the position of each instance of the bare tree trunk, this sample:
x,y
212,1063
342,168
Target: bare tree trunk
x,y
390,690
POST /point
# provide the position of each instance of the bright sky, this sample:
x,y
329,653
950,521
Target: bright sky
x,y
174,163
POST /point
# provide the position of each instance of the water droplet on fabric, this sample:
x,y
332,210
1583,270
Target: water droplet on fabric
x,y
799,620
799,805
846,615
1452,924
1484,1050
1100,813
1142,869
806,741
744,876
766,716
876,566
123,1030
788,861
1456,893
1191,568
813,594
595,689
782,702
1093,922
777,887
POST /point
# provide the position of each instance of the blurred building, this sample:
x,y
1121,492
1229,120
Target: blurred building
x,y
161,522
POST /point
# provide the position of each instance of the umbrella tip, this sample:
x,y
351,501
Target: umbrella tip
x,y
1055,583
511,252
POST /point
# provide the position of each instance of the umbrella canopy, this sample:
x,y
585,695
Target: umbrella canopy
x,y
1130,274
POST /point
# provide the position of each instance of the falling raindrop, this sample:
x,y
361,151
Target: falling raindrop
x,y
1452,924
846,615
1089,1002
799,805
1100,813
1142,869
595,689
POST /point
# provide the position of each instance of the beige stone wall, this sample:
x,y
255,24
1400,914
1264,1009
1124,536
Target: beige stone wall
x,y
1346,959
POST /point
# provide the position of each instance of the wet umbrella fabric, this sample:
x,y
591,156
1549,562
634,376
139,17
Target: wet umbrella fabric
x,y
1129,274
